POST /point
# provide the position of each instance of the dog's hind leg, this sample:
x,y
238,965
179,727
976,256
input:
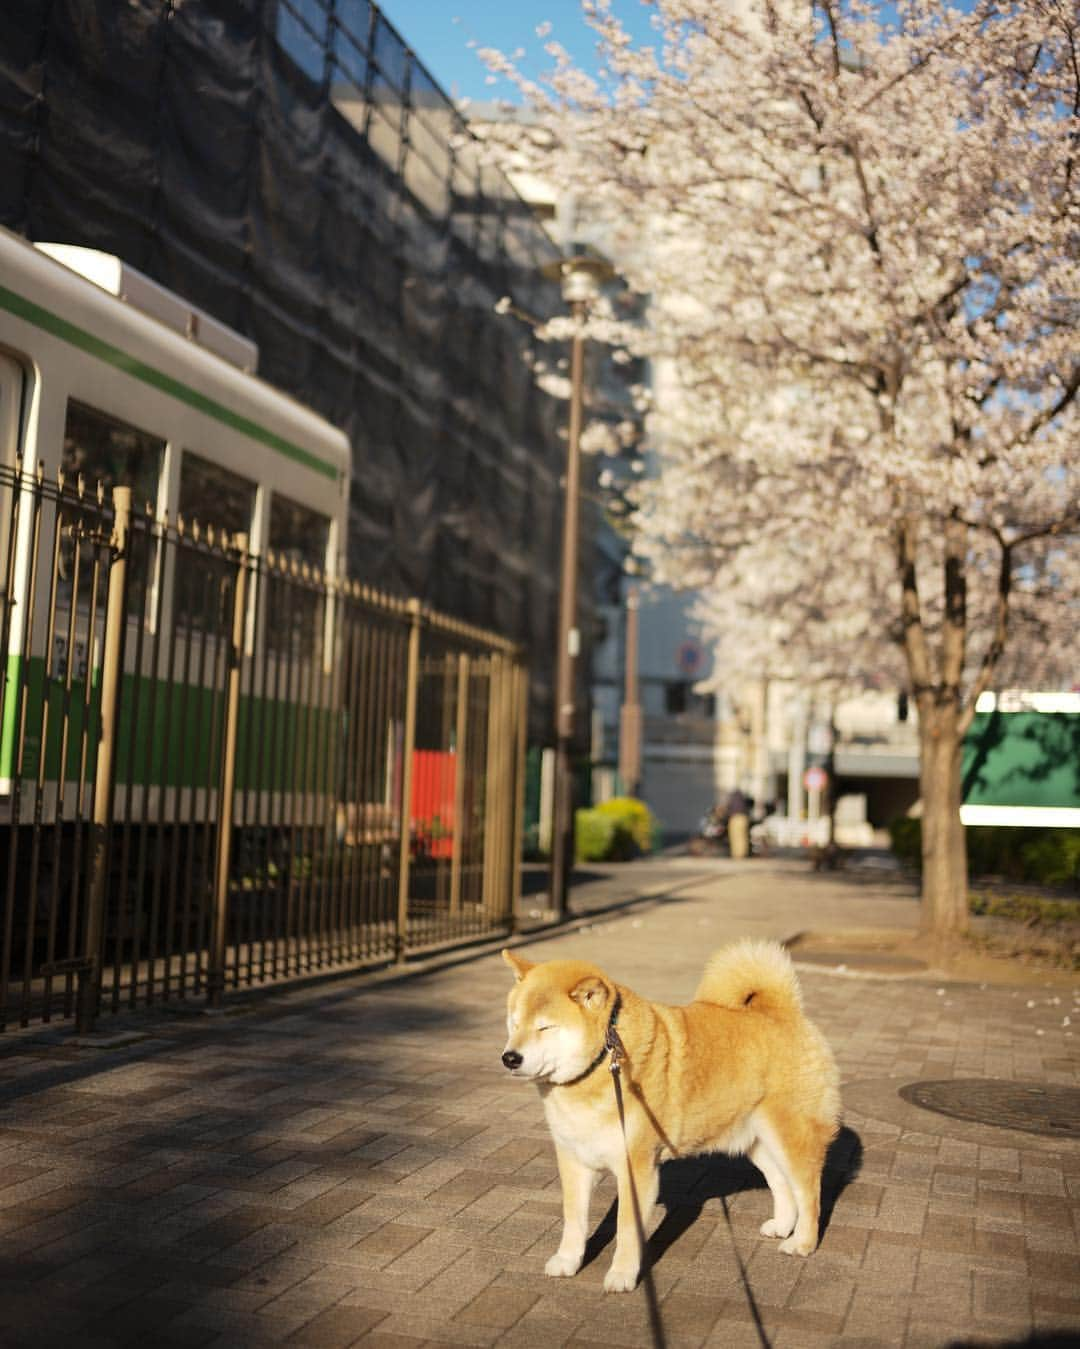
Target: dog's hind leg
x,y
577,1187
784,1211
797,1145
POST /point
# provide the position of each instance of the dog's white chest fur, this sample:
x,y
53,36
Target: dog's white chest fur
x,y
589,1134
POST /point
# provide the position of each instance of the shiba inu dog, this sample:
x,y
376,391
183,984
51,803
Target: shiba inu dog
x,y
739,1070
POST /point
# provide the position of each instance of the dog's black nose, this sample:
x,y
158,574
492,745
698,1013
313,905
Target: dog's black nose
x,y
512,1059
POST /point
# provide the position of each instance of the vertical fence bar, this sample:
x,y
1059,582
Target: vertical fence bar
x,y
155,580
165,836
22,700
412,684
58,827
130,912
77,888
42,777
111,674
215,974
491,802
376,781
461,744
520,751
505,781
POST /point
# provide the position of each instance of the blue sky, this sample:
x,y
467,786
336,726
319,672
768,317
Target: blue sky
x,y
439,32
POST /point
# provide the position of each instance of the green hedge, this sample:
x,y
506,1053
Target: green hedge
x,y
594,836
615,830
1037,856
1031,910
905,837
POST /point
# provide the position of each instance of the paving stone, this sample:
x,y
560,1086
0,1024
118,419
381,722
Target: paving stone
x,y
332,1169
499,1305
336,1328
948,1232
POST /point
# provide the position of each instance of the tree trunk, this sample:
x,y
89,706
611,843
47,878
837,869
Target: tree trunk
x,y
944,848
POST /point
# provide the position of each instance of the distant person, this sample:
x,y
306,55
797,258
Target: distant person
x,y
738,825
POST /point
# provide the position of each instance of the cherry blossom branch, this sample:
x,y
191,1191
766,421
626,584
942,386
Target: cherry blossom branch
x,y
1051,413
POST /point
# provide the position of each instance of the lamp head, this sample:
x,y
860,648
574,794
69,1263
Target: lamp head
x,y
581,274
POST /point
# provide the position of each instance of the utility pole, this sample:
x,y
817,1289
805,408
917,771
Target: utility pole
x,y
581,276
630,712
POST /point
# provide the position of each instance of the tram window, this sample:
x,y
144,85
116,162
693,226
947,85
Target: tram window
x,y
212,495
11,396
106,450
205,575
298,532
103,449
301,535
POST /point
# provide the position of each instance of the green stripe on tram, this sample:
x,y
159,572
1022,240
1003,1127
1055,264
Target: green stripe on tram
x,y
156,740
9,726
131,365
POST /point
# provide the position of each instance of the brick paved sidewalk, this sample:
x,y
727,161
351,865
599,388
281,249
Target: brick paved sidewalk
x,y
346,1164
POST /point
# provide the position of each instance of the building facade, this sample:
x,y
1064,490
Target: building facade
x,y
291,168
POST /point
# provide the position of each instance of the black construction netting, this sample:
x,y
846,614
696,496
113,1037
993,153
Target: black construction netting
x,y
290,167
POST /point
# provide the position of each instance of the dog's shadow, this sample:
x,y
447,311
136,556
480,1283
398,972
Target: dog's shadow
x,y
687,1184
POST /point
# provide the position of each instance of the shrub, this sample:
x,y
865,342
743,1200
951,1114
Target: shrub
x,y
1037,856
1054,858
594,836
996,852
1032,910
615,831
905,835
633,817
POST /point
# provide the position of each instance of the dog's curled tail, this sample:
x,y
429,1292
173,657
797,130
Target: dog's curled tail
x,y
756,974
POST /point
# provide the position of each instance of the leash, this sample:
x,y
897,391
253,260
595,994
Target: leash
x,y
614,1046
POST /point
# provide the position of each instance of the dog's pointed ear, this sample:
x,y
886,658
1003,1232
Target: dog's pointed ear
x,y
591,992
519,966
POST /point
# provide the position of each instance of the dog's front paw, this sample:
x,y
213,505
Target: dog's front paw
x,y
771,1228
618,1280
793,1246
562,1266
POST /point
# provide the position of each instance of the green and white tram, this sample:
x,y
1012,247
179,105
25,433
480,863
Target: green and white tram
x,y
220,758
108,379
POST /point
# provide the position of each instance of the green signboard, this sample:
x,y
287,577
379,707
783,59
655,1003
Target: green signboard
x,y
1022,768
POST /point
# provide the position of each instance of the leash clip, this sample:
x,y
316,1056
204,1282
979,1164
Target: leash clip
x,y
615,1048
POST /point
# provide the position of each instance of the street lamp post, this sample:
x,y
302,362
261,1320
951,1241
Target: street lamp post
x,y
581,276
630,712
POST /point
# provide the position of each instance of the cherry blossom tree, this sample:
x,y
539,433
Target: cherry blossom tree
x,y
860,230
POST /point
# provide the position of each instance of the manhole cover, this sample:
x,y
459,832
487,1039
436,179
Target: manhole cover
x,y
1033,1107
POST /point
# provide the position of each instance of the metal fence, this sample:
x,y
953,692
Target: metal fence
x,y
218,770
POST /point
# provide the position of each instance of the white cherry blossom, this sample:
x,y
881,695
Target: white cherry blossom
x,y
859,227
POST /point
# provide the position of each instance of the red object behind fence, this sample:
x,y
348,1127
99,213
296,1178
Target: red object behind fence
x,y
431,809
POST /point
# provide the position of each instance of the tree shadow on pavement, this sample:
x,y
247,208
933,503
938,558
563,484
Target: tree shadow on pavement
x,y
55,1061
